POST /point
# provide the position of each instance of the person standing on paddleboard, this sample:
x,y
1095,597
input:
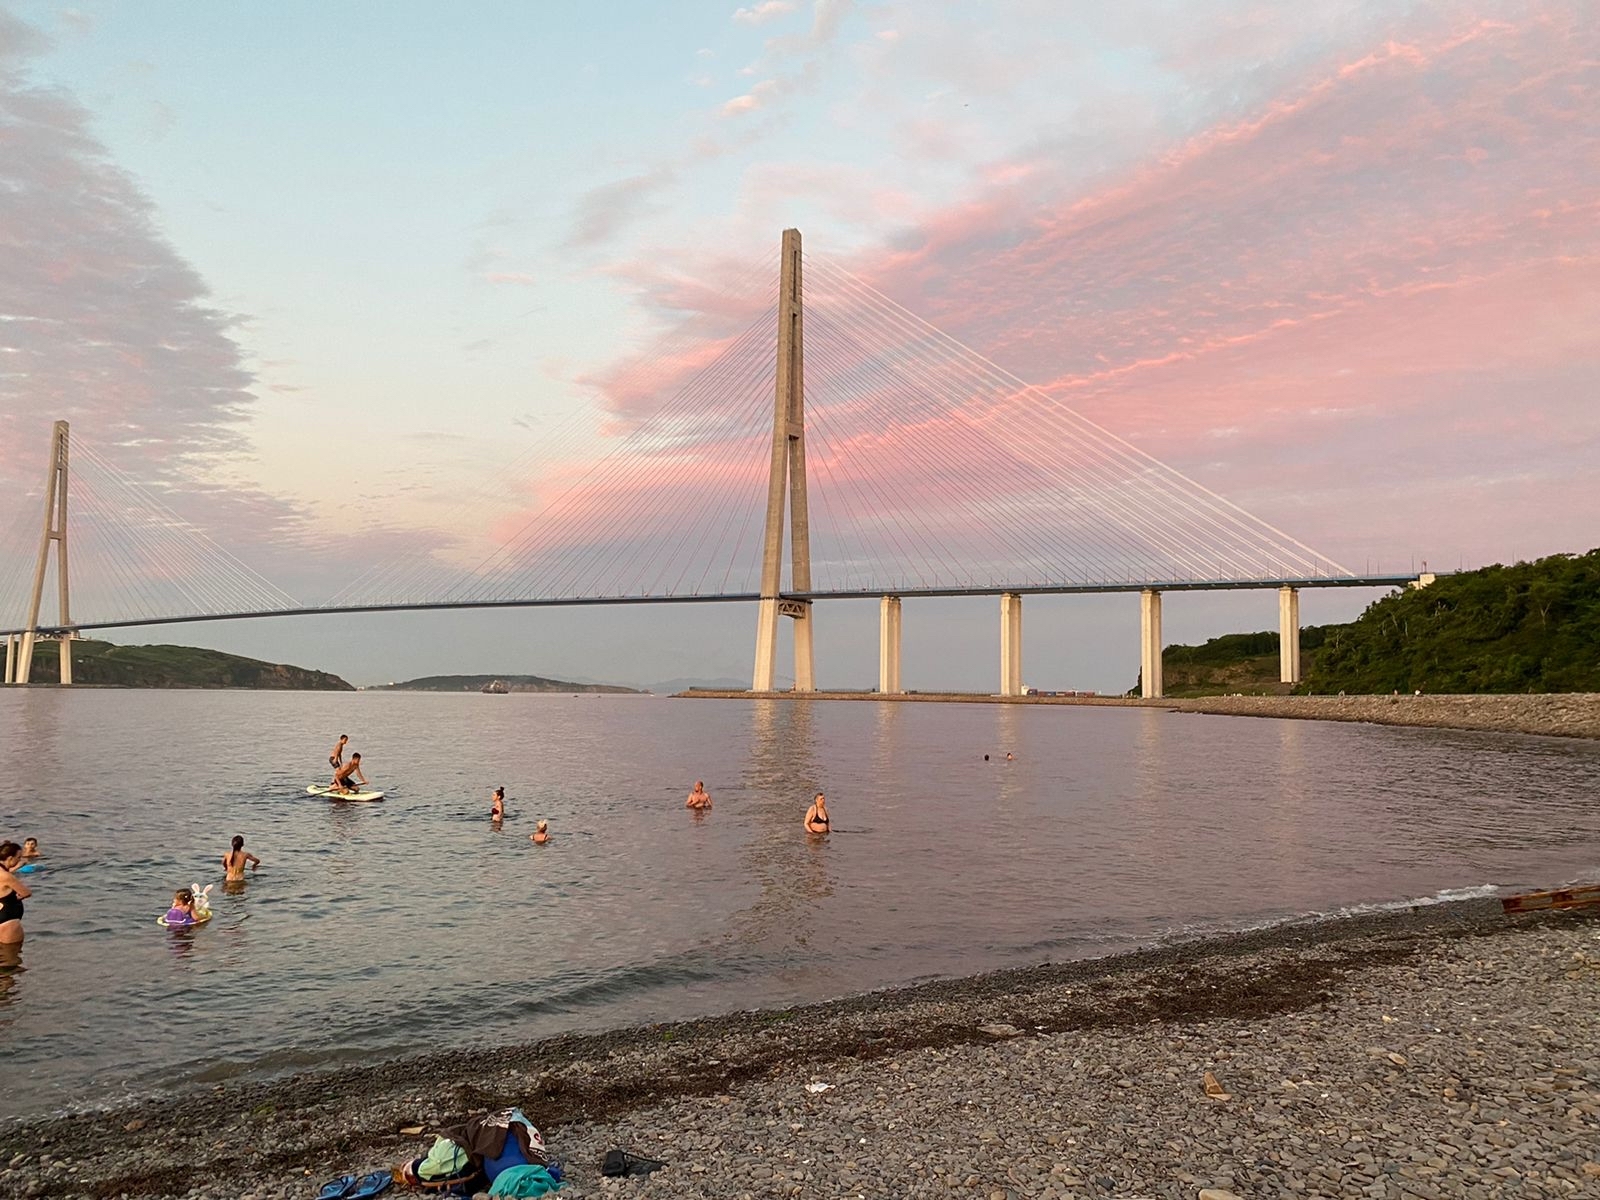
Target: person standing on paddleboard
x,y
336,755
342,776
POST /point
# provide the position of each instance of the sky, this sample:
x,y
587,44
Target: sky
x,y
343,285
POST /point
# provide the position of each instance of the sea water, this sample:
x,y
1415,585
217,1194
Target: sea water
x,y
414,924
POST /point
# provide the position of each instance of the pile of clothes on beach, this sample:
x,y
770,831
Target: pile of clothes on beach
x,y
501,1152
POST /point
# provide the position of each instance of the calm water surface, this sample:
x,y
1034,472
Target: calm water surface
x,y
412,924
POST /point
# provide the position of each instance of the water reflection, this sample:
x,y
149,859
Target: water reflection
x,y
11,970
790,869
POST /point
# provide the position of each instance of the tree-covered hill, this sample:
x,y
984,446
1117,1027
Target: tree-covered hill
x,y
106,664
513,683
1530,627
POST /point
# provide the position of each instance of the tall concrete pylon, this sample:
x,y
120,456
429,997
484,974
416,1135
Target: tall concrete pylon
x,y
788,468
55,530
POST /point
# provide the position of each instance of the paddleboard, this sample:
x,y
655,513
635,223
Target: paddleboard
x,y
354,797
162,921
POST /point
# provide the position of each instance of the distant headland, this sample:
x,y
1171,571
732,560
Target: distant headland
x,y
507,683
103,664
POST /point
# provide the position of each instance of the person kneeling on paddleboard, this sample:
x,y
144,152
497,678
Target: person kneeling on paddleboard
x,y
342,781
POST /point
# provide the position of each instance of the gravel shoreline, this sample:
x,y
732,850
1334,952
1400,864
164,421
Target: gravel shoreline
x,y
1567,714
1434,1051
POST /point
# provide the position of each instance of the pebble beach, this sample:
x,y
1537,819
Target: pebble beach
x,y
1437,1051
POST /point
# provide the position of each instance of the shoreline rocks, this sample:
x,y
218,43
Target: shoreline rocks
x,y
1564,714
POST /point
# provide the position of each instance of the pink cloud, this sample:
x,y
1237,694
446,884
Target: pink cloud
x,y
1363,307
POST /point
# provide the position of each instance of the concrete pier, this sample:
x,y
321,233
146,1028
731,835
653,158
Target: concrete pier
x,y
1289,635
11,658
1150,644
65,645
889,646
1010,644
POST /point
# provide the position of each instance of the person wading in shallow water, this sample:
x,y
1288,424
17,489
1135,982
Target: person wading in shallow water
x,y
817,815
699,798
12,893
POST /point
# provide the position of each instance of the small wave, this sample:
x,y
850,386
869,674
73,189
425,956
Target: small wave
x,y
1481,891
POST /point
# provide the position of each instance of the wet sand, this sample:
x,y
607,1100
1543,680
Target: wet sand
x,y
1434,1048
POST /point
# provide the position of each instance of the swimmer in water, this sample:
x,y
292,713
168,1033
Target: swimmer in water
x,y
497,806
30,849
336,755
699,798
12,893
234,860
344,777
817,815
540,834
182,910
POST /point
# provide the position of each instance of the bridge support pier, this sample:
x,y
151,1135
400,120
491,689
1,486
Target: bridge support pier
x,y
1150,644
889,646
1010,644
787,479
24,671
11,658
65,645
1289,635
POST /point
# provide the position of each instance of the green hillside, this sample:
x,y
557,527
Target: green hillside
x,y
1530,627
175,667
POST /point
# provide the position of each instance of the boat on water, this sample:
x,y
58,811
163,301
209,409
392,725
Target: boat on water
x,y
495,687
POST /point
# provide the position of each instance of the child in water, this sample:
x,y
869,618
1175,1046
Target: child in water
x,y
234,860
30,848
541,833
182,910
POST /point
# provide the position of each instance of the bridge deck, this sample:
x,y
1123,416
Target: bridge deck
x,y
1054,589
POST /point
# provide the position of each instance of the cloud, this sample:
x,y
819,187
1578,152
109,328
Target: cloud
x,y
605,210
104,324
1396,220
516,278
760,14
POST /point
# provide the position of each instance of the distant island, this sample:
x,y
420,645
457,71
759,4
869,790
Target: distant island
x,y
513,683
107,665
1529,627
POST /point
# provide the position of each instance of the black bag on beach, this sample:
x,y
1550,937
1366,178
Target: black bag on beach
x,y
620,1162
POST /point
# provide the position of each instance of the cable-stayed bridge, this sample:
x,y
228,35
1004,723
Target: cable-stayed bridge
x,y
823,443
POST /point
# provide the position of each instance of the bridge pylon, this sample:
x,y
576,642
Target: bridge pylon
x,y
19,659
788,473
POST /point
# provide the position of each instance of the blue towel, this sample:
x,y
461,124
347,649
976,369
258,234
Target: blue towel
x,y
523,1181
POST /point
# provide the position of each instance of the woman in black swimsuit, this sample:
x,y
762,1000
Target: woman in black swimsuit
x,y
817,815
12,893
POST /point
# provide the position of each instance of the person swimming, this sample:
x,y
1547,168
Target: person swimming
x,y
30,849
234,860
182,910
12,893
497,806
343,777
817,815
540,834
699,798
